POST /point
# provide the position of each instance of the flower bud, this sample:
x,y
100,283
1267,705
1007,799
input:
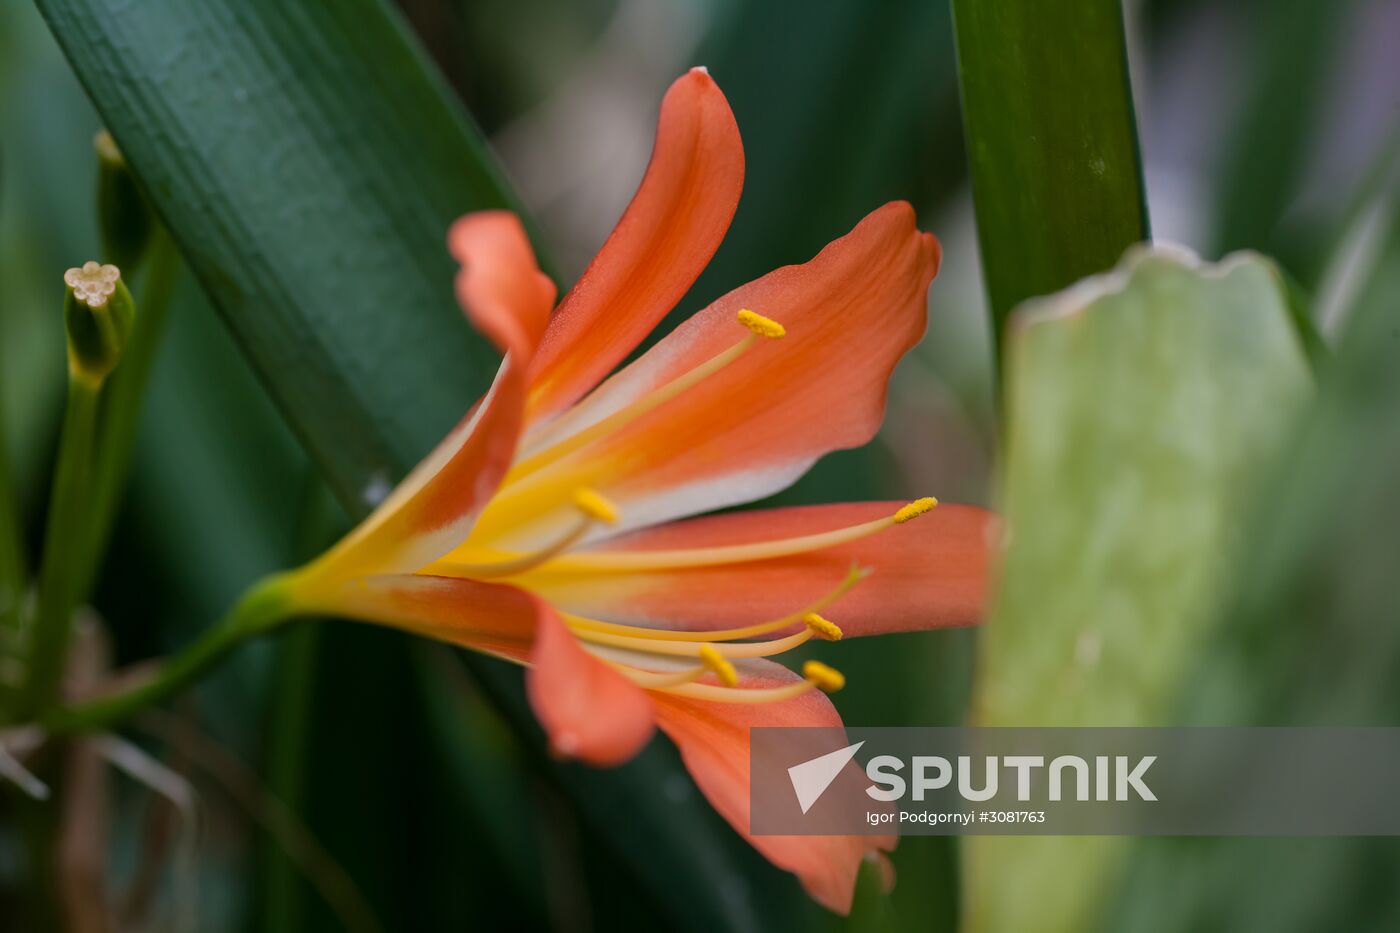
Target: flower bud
x,y
123,217
98,314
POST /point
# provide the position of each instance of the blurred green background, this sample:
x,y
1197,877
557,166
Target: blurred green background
x,y
352,778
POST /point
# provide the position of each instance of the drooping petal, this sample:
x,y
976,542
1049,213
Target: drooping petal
x,y
665,238
508,298
713,739
757,424
931,572
589,710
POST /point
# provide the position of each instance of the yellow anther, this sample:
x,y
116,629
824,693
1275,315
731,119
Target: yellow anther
x,y
719,665
822,628
825,679
914,509
763,326
595,505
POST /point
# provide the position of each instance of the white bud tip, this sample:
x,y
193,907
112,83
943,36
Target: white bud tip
x,y
93,283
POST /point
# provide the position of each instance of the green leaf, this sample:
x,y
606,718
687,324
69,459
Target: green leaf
x,y
1289,53
1307,637
308,163
1141,404
1051,142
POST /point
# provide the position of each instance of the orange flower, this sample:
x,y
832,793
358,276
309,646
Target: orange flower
x,y
546,528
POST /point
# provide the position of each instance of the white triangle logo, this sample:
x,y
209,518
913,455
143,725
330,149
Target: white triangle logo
x,y
811,778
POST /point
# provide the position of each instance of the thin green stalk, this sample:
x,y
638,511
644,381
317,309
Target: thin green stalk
x,y
67,524
121,404
98,315
262,609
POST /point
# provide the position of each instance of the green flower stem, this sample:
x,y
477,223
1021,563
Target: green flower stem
x,y
261,610
67,525
121,404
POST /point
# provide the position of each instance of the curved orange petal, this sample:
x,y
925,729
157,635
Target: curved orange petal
x,y
713,739
589,710
932,572
488,617
756,425
665,238
508,298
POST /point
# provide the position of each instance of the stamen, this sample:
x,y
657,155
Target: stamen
x,y
655,680
822,628
815,675
764,327
914,509
622,418
719,665
594,509
824,678
587,627
593,504
751,695
632,561
689,647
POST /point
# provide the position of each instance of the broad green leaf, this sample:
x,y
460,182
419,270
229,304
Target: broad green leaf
x,y
308,164
1141,405
1309,635
1287,53
1051,142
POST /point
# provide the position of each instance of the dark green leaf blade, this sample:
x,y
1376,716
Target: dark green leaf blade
x,y
308,166
1051,141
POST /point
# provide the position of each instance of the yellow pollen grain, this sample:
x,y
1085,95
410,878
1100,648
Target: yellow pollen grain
x,y
595,505
914,509
763,326
822,628
719,665
824,678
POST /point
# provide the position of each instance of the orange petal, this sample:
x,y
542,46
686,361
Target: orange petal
x,y
713,739
668,233
508,298
931,572
589,710
759,423
487,617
